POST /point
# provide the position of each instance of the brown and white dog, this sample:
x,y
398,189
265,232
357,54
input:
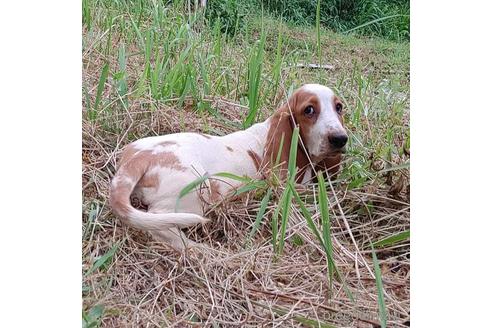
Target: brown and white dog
x,y
156,169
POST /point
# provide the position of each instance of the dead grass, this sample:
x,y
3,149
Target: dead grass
x,y
228,283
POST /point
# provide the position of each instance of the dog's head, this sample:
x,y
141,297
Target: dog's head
x,y
318,113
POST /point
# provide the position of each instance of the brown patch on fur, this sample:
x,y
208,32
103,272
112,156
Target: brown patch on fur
x,y
256,158
144,160
229,149
167,143
149,181
215,194
170,160
127,154
133,172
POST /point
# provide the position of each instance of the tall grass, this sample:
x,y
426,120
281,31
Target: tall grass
x,y
100,88
277,66
286,199
379,286
255,79
325,222
318,30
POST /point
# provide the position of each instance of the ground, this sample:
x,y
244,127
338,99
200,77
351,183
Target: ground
x,y
147,72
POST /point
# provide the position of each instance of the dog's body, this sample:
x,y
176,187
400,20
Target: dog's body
x,y
156,169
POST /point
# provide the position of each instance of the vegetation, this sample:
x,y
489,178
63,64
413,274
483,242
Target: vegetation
x,y
333,254
385,18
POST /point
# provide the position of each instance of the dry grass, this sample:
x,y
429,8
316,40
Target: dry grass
x,y
230,282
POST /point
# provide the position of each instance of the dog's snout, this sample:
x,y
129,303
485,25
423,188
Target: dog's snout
x,y
338,140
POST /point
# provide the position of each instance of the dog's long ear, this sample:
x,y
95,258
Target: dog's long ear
x,y
279,138
278,142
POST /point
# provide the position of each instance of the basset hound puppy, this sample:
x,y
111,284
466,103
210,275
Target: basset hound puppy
x,y
156,169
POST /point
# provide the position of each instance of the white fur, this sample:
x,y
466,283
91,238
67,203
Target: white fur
x,y
200,155
327,122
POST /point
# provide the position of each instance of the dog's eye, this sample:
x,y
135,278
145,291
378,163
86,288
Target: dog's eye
x,y
309,111
339,108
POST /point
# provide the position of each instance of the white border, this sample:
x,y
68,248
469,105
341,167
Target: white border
x,y
450,171
40,245
41,73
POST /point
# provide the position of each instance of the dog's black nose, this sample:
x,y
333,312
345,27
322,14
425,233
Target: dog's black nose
x,y
338,141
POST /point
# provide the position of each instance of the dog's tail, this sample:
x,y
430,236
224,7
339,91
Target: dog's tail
x,y
122,187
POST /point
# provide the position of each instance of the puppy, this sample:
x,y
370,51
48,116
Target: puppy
x,y
156,169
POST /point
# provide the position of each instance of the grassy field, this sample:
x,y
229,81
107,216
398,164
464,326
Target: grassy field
x,y
151,69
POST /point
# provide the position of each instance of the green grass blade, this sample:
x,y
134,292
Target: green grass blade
x,y
293,154
100,86
103,260
189,188
279,153
233,177
93,317
379,285
394,239
137,30
122,83
316,232
260,214
395,168
255,184
307,215
287,195
373,21
325,222
285,206
250,184
275,225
